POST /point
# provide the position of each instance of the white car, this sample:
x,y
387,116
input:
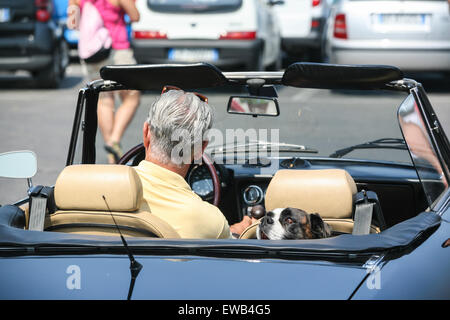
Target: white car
x,y
413,35
302,23
226,33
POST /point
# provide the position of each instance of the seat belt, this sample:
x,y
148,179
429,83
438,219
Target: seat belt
x,y
363,217
39,196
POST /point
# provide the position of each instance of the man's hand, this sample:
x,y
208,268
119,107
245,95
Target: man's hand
x,y
239,227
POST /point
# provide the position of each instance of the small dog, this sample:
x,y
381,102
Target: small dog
x,y
292,223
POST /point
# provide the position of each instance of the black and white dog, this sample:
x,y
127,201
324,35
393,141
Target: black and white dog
x,y
292,223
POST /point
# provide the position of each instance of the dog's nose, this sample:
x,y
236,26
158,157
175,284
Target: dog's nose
x,y
269,220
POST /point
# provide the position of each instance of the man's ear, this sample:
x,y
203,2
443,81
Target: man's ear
x,y
146,135
197,156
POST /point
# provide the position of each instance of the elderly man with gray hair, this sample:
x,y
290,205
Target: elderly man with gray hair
x,y
177,115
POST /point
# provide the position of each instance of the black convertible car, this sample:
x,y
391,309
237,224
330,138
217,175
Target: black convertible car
x,y
389,212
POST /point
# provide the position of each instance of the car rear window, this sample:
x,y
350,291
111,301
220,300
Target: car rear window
x,y
194,6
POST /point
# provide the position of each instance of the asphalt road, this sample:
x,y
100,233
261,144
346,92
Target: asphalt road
x,y
41,120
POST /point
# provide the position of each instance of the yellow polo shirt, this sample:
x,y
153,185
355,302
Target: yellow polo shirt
x,y
169,197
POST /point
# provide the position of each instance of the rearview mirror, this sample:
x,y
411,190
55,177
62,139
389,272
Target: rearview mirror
x,y
255,106
18,164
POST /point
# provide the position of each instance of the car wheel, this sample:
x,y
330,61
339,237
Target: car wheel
x,y
65,58
51,76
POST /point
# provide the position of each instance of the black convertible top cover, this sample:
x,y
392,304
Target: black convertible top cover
x,y
397,237
332,76
205,75
155,76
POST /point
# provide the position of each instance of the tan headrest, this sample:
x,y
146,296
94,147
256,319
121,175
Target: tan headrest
x,y
328,192
80,187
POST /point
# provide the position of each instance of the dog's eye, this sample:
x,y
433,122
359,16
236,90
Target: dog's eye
x,y
289,220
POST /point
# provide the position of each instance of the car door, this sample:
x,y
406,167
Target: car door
x,y
294,18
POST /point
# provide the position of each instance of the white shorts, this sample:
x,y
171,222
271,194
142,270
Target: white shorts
x,y
123,56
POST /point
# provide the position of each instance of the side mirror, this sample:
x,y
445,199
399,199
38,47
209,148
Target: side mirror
x,y
18,164
254,106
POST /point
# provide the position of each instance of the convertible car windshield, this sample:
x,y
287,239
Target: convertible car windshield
x,y
304,120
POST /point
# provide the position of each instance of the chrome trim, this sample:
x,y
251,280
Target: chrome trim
x,y
260,195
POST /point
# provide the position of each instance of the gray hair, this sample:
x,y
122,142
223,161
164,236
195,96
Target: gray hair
x,y
178,115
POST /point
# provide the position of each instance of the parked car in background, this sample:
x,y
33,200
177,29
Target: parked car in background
x,y
228,33
30,40
413,35
302,23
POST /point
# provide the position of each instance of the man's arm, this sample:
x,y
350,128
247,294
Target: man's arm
x,y
239,227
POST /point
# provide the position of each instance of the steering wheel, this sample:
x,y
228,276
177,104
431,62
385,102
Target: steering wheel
x,y
206,160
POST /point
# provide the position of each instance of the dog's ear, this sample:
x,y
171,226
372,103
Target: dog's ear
x,y
319,228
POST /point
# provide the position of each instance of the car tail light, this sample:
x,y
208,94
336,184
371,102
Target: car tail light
x,y
239,35
340,26
149,35
315,3
44,9
315,23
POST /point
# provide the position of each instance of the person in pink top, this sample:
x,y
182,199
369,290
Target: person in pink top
x,y
113,123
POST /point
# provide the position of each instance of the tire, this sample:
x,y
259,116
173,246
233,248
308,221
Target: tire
x,y
65,57
51,76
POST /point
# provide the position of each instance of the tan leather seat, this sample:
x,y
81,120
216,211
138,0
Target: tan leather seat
x,y
329,192
79,192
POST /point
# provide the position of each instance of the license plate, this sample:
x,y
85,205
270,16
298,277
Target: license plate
x,y
193,55
401,22
5,15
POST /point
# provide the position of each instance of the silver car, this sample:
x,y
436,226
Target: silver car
x,y
413,35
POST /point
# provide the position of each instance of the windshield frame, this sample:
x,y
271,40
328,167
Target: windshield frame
x,y
437,138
